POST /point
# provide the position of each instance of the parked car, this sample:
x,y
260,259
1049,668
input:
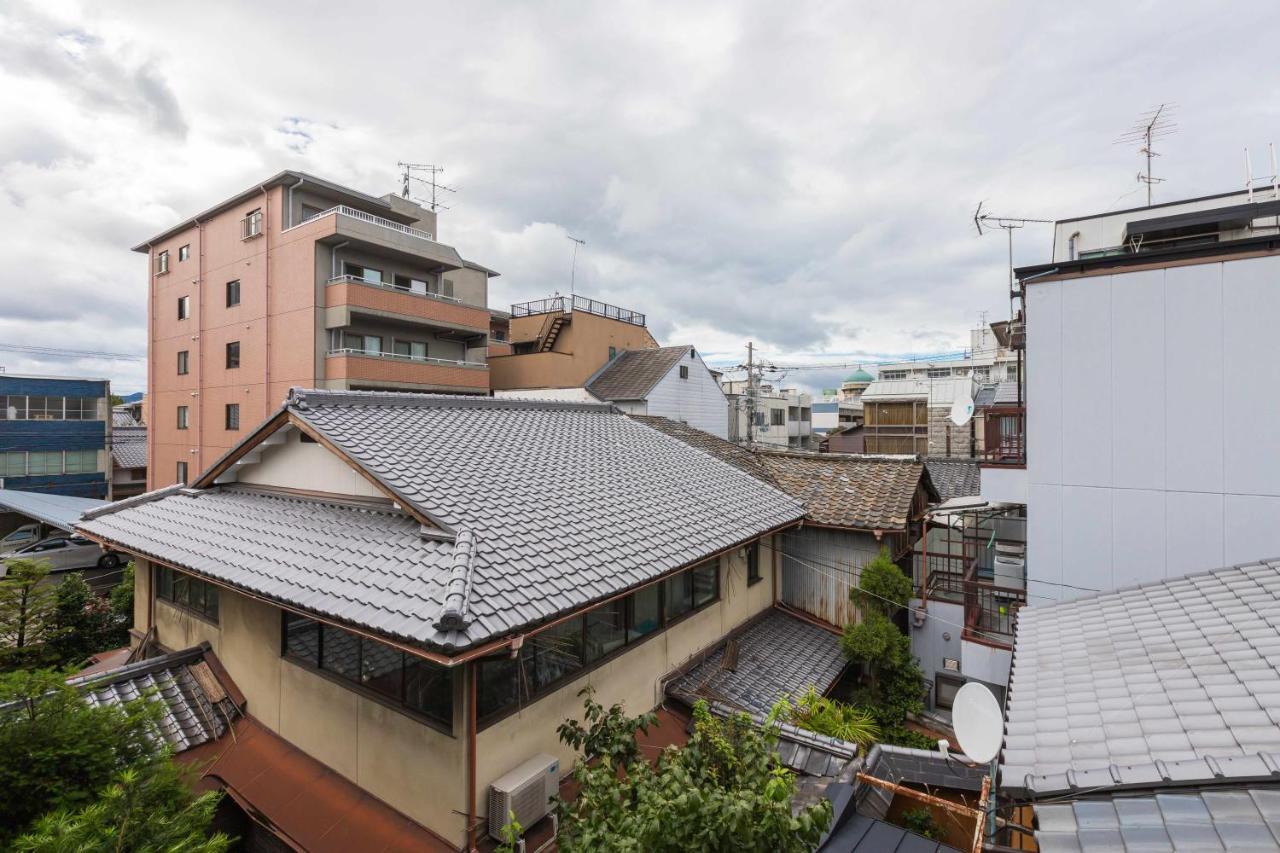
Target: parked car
x,y
65,552
23,536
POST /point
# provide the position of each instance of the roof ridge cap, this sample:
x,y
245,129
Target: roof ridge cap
x,y
136,500
307,399
453,611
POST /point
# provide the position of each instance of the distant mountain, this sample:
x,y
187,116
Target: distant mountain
x,y
135,397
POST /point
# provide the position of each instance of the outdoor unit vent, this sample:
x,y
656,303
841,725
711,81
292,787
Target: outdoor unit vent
x,y
525,791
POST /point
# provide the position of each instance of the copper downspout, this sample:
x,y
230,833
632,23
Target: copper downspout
x,y
472,817
151,366
266,286
200,329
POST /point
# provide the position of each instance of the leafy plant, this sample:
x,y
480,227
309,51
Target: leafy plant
x,y
83,623
833,718
27,609
921,822
723,791
894,676
511,832
146,810
900,735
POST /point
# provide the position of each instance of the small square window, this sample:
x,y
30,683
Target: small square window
x,y
184,307
233,293
182,473
184,252
183,362
182,417
684,371
233,416
233,355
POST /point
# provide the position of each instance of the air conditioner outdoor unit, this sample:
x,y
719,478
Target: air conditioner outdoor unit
x,y
525,791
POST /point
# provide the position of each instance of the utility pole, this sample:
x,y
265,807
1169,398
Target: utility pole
x,y
751,396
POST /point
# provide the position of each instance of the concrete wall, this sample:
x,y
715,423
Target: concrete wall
x,y
1152,399
697,400
580,350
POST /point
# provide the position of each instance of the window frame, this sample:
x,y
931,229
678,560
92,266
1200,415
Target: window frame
x,y
184,307
184,362
684,371
190,583
233,290
526,696
233,355
753,564
162,262
182,472
184,252
231,416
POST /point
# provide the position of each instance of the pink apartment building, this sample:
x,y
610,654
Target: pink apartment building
x,y
300,281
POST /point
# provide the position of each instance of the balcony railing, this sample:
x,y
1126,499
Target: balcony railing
x,y
343,210
395,288
559,304
1005,439
413,359
990,611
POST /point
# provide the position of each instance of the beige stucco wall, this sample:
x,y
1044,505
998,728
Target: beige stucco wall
x,y
312,467
408,764
581,349
631,678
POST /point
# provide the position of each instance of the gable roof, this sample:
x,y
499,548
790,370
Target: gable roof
x,y
722,449
1174,682
540,508
955,478
844,490
632,375
129,446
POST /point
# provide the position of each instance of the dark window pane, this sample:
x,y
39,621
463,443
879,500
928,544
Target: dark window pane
x,y
606,630
645,615
497,689
164,583
428,689
341,653
553,654
381,668
302,638
753,562
180,588
195,595
211,601
706,583
679,595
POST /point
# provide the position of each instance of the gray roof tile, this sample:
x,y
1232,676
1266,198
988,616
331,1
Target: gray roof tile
x,y
589,499
129,446
633,373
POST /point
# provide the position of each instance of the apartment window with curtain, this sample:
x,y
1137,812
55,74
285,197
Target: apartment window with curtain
x,y
233,355
183,366
233,293
182,417
411,349
233,416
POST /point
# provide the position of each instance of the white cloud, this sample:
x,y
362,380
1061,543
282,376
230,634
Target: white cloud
x,y
799,176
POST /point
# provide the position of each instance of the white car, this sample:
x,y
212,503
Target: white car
x,y
66,552
25,535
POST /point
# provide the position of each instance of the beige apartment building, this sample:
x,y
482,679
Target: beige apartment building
x,y
298,281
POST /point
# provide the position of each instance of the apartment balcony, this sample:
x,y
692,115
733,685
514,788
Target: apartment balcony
x,y
357,368
990,608
1005,437
344,224
348,295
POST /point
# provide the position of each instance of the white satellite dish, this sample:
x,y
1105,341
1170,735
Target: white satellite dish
x,y
962,411
978,721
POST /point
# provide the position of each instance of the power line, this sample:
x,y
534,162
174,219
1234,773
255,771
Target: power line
x,y
71,353
926,359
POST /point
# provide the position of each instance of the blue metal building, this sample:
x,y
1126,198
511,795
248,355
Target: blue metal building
x,y
55,435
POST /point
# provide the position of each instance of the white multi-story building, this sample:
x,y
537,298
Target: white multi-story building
x,y
1152,395
783,417
986,361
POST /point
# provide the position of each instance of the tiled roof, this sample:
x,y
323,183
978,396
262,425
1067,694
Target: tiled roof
x,y
1246,819
1174,682
632,375
723,450
191,716
59,510
567,503
779,655
997,394
129,446
122,418
863,492
955,478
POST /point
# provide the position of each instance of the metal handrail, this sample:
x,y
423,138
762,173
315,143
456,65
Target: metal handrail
x,y
355,279
448,362
343,210
555,304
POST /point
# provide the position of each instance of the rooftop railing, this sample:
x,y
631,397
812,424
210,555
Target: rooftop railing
x,y
343,210
557,304
355,279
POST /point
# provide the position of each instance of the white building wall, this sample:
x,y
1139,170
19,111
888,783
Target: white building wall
x,y
1134,474
697,401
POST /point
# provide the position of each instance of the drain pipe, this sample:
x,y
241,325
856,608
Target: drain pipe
x,y
300,182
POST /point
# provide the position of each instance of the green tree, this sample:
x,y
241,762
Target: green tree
x,y
122,601
146,810
723,791
894,678
84,622
27,611
57,752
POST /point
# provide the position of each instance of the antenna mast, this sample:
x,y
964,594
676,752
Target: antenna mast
x,y
431,171
573,265
1154,124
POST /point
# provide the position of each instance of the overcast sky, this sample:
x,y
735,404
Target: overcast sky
x,y
799,175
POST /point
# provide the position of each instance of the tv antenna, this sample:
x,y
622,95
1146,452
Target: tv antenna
x,y
573,265
1154,124
431,171
1009,224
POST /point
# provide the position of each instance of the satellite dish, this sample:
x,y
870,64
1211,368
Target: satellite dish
x,y
962,411
978,721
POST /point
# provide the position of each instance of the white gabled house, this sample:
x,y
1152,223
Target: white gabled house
x,y
669,382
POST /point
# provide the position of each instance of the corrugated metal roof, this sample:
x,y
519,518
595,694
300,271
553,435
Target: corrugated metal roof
x,y
632,375
60,511
1202,820
940,392
779,655
1172,682
129,446
568,503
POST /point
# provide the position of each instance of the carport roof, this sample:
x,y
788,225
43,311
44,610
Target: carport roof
x,y
60,511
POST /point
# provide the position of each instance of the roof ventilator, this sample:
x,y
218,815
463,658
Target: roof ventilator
x,y
453,614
